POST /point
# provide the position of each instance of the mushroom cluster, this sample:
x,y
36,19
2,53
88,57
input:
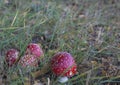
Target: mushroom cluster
x,y
32,55
62,64
30,59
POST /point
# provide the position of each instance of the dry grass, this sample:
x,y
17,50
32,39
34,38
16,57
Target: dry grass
x,y
88,29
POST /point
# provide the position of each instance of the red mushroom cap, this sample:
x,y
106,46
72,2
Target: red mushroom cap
x,y
63,64
11,56
28,61
34,49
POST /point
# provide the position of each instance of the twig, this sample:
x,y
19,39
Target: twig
x,y
88,77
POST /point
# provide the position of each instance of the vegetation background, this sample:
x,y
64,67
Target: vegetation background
x,y
88,29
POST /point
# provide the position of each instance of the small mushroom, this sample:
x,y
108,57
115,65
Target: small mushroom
x,y
34,49
63,65
28,61
26,64
11,56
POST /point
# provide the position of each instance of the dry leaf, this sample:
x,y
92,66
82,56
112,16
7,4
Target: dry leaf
x,y
44,70
38,83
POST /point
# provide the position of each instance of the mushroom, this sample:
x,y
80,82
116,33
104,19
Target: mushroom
x,y
11,56
28,61
34,49
63,65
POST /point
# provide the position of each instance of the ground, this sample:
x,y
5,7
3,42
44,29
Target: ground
x,y
88,29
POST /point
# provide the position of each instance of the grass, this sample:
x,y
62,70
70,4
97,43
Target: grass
x,y
89,30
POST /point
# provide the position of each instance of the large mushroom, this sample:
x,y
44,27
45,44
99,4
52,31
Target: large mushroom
x,y
11,56
63,64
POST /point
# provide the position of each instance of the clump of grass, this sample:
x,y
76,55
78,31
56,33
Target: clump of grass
x,y
86,29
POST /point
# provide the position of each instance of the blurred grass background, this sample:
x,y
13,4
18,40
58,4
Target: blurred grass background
x,y
88,29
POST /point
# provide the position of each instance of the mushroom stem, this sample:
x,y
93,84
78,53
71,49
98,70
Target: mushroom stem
x,y
63,79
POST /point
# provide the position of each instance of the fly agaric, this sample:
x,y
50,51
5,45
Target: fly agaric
x,y
63,64
28,61
11,56
34,49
